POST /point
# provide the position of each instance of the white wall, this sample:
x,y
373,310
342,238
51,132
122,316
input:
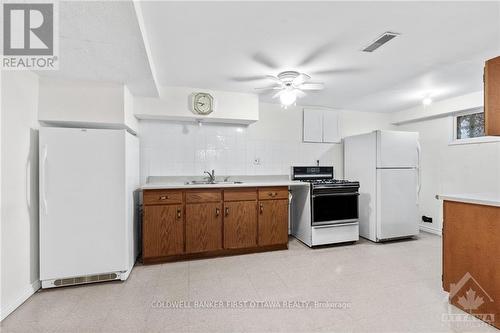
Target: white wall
x,y
176,148
19,189
439,109
175,104
87,102
447,168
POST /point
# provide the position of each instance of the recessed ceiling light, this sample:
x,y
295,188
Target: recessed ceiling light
x,y
427,101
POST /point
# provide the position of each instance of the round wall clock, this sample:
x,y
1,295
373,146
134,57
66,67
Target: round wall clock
x,y
203,103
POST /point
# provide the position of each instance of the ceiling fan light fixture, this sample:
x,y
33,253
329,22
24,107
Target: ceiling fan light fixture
x,y
288,97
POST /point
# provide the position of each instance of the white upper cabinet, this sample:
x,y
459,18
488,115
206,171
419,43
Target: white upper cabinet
x,y
313,125
86,103
331,126
321,125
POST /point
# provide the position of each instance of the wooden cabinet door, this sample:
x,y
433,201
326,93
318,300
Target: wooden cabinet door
x,y
162,231
471,260
203,227
273,222
240,224
492,96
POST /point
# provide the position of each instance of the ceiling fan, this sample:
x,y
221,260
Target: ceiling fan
x,y
290,86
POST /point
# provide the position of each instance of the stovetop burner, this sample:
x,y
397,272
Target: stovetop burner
x,y
324,183
320,176
327,181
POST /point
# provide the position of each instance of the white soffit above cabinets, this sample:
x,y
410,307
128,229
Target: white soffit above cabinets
x,y
231,46
102,41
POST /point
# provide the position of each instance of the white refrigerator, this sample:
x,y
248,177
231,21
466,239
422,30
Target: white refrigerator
x,y
387,165
88,205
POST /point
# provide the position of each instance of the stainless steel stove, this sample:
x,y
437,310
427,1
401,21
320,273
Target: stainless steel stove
x,y
333,206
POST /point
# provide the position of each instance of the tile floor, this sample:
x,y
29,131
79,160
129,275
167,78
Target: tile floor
x,y
391,287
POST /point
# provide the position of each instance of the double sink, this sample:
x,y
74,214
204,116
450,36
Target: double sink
x,y
211,180
208,182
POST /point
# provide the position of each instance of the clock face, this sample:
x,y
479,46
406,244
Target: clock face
x,y
203,103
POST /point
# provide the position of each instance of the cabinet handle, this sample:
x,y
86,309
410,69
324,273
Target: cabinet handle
x,y
164,197
261,208
178,213
227,211
217,211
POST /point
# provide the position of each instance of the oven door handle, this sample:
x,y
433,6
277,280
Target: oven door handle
x,y
334,195
334,225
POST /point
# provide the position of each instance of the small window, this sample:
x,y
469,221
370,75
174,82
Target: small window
x,y
469,125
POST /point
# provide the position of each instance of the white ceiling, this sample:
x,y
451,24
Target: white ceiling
x,y
226,45
101,41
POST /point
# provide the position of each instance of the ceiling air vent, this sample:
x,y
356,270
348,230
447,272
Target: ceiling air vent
x,y
386,36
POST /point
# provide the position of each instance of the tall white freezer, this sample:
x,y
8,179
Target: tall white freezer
x,y
386,163
88,206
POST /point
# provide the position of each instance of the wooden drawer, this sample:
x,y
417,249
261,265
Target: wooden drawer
x,y
203,196
159,197
240,194
268,193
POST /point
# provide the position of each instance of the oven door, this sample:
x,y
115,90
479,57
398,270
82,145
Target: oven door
x,y
334,208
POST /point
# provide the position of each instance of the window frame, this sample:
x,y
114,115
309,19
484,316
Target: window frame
x,y
476,140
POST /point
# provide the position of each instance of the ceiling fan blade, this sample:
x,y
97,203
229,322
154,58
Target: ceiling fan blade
x,y
317,53
277,94
264,60
275,79
269,88
312,86
299,93
248,78
340,71
300,79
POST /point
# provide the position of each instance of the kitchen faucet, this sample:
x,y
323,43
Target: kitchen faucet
x,y
211,176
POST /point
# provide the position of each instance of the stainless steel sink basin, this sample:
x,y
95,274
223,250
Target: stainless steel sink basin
x,y
206,182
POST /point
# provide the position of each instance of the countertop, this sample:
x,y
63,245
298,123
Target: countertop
x,y
157,182
488,199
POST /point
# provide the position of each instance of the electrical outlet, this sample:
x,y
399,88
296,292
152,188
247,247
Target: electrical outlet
x,y
427,219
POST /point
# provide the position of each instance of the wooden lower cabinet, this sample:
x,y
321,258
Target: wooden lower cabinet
x,y
203,227
471,258
162,231
240,224
273,222
198,223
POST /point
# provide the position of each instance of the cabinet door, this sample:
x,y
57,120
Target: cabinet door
x,y
162,231
492,96
313,125
203,227
331,128
273,222
240,224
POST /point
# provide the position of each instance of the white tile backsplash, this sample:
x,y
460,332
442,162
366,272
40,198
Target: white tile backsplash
x,y
182,149
270,146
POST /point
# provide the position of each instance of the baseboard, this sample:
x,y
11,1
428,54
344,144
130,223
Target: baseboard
x,y
30,290
430,230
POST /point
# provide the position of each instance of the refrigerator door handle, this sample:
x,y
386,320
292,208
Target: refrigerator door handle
x,y
44,179
419,176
